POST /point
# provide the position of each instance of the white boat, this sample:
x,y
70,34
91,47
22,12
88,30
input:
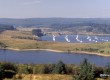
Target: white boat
x,y
77,38
96,41
54,38
66,38
106,40
88,37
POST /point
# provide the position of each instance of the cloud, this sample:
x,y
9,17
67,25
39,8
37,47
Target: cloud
x,y
32,2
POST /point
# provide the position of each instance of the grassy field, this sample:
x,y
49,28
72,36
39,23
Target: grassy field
x,y
15,43
45,77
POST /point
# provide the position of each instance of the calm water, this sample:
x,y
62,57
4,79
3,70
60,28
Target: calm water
x,y
50,57
78,38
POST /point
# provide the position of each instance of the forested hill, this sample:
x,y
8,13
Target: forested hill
x,y
95,25
6,27
51,21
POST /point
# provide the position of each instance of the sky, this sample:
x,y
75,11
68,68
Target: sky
x,y
55,8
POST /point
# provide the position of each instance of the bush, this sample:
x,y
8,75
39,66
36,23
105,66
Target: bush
x,y
98,71
59,68
37,32
7,70
1,72
107,70
25,69
86,71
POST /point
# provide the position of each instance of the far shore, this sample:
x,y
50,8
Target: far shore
x,y
69,52
91,34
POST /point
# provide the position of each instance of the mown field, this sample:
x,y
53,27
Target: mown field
x,y
7,38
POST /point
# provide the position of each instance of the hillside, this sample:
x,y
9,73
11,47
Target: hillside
x,y
75,25
6,27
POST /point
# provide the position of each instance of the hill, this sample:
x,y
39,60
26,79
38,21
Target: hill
x,y
76,25
6,27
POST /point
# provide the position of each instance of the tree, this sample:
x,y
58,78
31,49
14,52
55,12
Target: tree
x,y
1,72
9,70
2,45
86,71
59,68
37,32
98,71
44,70
107,70
6,27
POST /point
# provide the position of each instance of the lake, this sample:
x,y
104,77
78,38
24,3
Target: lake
x,y
41,57
77,38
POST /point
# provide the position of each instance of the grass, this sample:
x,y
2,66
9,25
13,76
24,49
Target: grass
x,y
42,77
102,48
45,77
48,77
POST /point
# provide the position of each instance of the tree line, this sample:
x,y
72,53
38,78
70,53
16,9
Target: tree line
x,y
6,27
83,71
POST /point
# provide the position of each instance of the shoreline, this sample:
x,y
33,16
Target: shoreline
x,y
91,34
70,52
34,50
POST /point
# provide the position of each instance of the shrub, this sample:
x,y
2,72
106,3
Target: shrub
x,y
86,71
59,68
8,70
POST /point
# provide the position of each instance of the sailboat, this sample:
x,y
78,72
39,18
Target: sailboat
x,y
77,38
66,38
54,38
88,37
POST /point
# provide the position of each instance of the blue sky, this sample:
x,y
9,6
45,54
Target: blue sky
x,y
55,8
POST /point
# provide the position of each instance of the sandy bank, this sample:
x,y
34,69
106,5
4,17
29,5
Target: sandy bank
x,y
70,52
